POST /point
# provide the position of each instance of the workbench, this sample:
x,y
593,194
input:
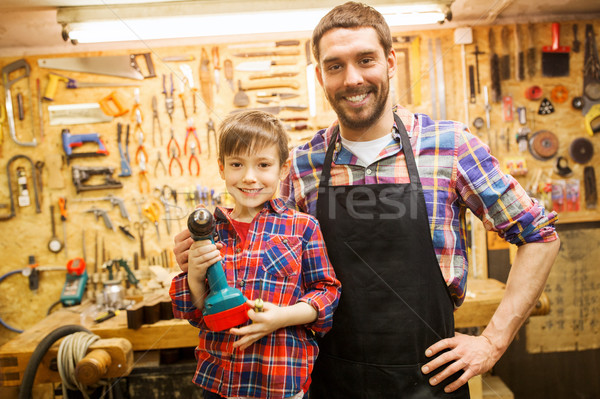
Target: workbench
x,y
483,297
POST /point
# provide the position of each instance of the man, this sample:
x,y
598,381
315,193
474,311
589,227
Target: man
x,y
390,190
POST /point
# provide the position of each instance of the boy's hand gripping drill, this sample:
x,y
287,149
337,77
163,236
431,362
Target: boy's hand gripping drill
x,y
224,307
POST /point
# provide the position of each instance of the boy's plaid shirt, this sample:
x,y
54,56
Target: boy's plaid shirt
x,y
283,261
456,171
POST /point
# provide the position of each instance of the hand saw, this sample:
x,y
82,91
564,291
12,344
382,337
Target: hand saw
x,y
124,66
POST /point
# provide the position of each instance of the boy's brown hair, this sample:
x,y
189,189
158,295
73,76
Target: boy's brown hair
x,y
352,15
249,131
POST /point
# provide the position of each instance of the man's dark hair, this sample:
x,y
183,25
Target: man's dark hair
x,y
352,15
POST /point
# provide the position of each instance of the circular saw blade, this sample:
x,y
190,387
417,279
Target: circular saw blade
x,y
543,144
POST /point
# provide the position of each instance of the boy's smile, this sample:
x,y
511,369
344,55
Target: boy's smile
x,y
252,180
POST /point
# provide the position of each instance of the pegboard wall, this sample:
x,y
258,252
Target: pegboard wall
x,y
429,80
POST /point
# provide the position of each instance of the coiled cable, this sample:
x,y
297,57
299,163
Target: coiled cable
x,y
72,349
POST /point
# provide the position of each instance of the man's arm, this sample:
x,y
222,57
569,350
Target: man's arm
x,y
476,355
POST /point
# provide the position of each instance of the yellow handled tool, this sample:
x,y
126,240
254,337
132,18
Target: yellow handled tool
x,y
53,80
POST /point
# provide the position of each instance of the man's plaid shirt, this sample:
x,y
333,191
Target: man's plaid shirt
x,y
456,171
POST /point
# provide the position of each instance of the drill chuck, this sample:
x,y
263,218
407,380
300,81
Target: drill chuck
x,y
201,224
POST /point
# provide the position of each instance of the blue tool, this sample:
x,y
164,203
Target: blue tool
x,y
70,141
224,307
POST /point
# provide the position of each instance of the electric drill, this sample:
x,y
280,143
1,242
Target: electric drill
x,y
224,307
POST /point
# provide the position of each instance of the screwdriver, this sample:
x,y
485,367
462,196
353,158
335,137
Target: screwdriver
x,y
62,204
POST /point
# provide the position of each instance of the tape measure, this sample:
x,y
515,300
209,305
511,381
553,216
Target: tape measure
x,y
543,145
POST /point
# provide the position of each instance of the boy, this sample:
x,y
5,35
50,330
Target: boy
x,y
269,252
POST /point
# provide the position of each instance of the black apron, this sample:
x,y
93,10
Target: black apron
x,y
394,302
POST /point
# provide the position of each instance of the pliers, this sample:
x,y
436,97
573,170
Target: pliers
x,y
160,162
174,146
210,127
169,103
193,160
190,130
140,149
144,183
175,158
155,119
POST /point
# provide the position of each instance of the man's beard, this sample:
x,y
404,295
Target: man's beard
x,y
361,122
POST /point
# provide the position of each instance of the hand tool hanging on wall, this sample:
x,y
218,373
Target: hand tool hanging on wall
x,y
125,167
210,128
124,66
188,79
155,122
70,141
114,201
101,213
505,59
54,245
272,53
169,103
472,96
216,66
555,58
206,80
81,174
531,52
592,120
279,43
193,161
261,66
274,109
40,109
54,79
141,227
494,69
152,212
62,206
10,192
17,66
477,53
591,71
589,182
576,45
113,104
74,287
519,55
228,69
241,99
190,130
77,114
144,183
310,82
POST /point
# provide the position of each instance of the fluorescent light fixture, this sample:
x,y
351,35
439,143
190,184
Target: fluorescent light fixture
x,y
131,28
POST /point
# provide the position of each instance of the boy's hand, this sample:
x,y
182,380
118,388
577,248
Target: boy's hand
x,y
263,323
183,242
201,255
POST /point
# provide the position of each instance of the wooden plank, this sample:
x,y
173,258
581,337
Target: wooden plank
x,y
15,354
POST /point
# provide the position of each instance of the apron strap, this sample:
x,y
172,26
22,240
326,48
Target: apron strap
x,y
411,165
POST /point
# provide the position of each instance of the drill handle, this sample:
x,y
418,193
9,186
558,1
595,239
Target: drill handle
x,y
215,274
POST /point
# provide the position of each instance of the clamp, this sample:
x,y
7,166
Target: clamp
x,y
169,104
190,130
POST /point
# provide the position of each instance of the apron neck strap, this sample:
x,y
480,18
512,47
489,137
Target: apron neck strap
x,y
411,165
